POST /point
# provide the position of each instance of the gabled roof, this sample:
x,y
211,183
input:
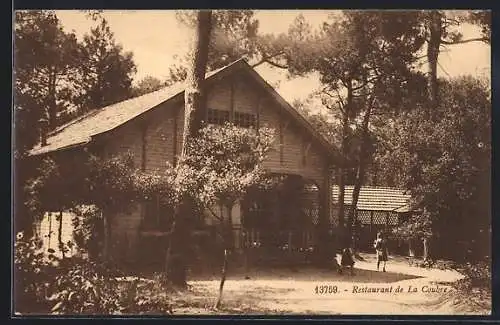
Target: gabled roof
x,y
83,129
376,198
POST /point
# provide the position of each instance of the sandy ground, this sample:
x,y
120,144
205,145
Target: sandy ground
x,y
406,290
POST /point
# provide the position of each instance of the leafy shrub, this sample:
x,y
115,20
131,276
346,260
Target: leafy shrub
x,y
32,273
473,292
477,276
88,230
84,287
46,284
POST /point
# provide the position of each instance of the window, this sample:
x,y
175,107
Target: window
x,y
219,117
157,216
215,116
304,154
245,120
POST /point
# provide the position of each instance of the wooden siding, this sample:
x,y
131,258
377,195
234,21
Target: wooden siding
x,y
124,233
180,127
219,96
126,139
151,141
48,231
247,98
160,140
293,140
159,135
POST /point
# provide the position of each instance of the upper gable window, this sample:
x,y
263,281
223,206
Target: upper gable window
x,y
245,120
216,116
219,117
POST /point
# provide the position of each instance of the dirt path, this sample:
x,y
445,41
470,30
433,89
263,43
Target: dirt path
x,y
401,290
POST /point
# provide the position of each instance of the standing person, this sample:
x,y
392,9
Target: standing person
x,y
380,245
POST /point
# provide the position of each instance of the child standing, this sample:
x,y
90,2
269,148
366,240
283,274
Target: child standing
x,y
380,245
346,261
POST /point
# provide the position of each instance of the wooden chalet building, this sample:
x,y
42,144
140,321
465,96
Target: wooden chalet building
x,y
150,126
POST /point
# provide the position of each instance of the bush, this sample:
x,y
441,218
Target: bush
x,y
88,288
477,276
84,287
473,292
32,275
45,284
88,229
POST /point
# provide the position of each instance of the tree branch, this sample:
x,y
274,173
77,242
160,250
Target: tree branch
x,y
277,65
324,91
267,59
341,109
215,215
345,83
340,100
367,81
442,69
361,95
477,39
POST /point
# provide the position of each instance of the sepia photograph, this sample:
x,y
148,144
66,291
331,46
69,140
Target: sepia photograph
x,y
251,162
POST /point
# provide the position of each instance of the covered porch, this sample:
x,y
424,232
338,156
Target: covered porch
x,y
279,223
285,221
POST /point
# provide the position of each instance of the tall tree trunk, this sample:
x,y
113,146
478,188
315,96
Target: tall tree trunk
x,y
228,246
435,28
361,169
175,263
426,249
360,175
222,280
411,251
340,199
193,99
52,105
341,179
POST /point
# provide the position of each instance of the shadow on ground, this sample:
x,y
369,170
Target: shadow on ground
x,y
307,273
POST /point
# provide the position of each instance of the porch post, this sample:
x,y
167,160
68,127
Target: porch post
x,y
237,226
371,221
